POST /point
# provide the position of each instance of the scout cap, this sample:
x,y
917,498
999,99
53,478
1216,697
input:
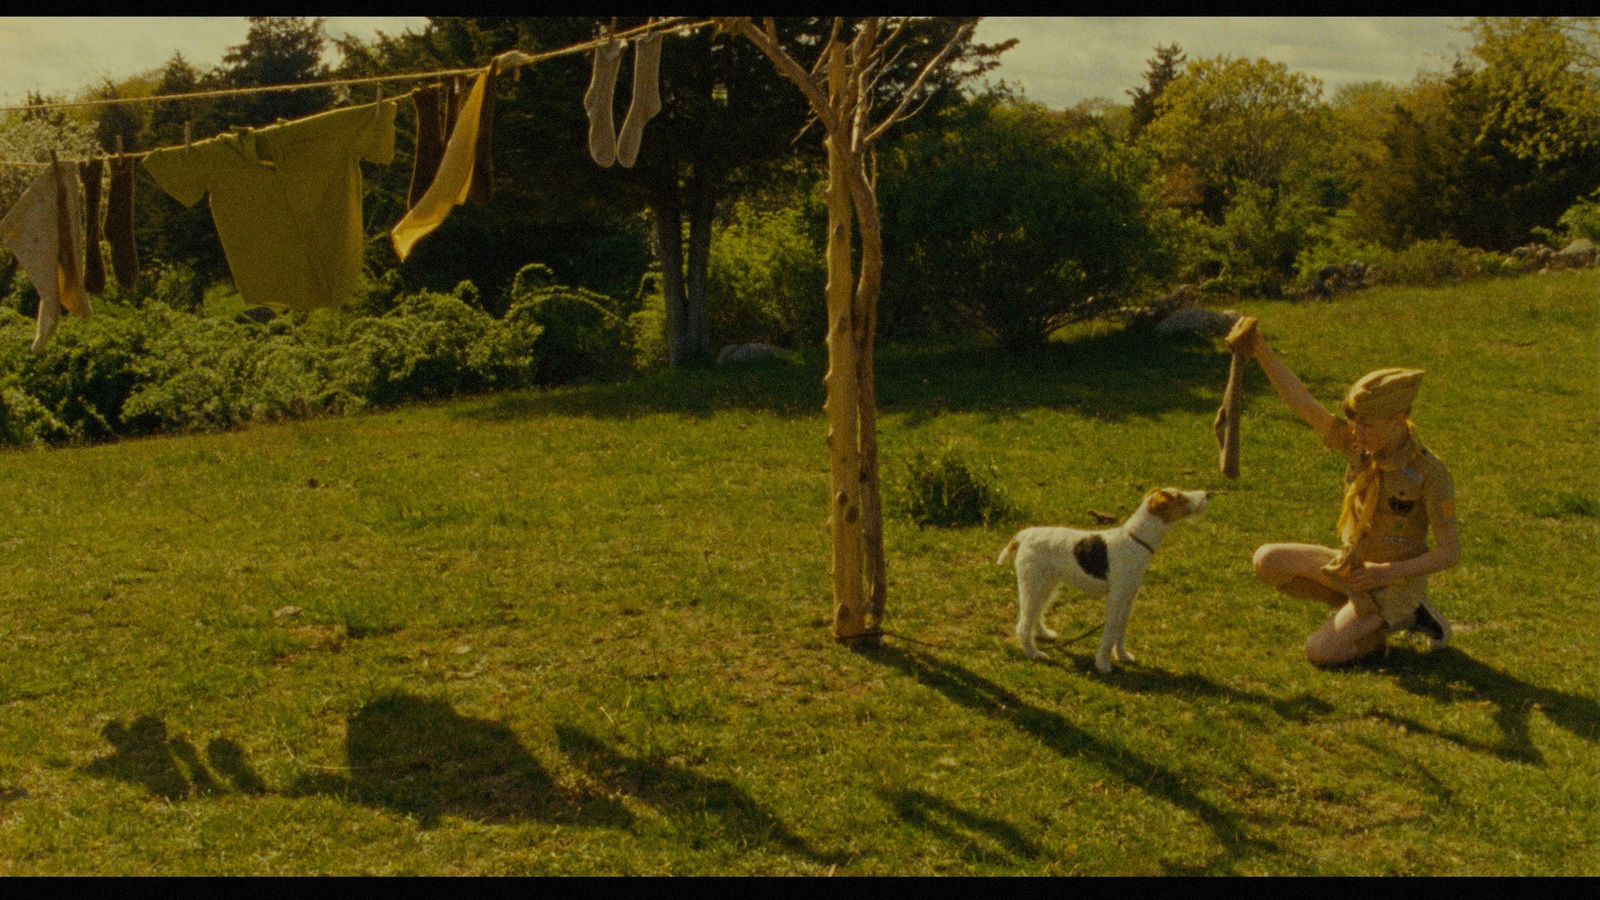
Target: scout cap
x,y
1382,394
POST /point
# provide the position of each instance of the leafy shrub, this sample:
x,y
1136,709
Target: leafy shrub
x,y
766,280
648,324
584,333
206,374
138,369
1005,219
81,378
943,489
432,346
1583,219
1261,236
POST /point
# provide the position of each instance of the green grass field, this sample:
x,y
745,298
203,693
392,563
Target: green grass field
x,y
585,631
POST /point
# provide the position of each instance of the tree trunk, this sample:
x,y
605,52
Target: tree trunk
x,y
866,315
702,209
843,404
669,252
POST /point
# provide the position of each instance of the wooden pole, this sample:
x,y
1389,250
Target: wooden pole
x,y
855,515
866,316
843,404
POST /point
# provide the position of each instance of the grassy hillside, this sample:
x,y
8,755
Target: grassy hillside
x,y
585,631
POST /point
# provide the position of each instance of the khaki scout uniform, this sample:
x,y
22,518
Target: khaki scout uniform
x,y
1414,491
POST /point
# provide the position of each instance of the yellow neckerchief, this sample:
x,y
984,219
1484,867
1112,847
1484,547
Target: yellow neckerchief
x,y
1361,498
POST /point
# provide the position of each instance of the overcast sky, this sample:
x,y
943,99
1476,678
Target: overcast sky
x,y
1060,61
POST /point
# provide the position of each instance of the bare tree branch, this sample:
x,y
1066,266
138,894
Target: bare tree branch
x,y
916,86
767,41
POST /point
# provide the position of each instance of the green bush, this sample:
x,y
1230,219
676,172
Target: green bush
x,y
766,280
82,376
432,346
648,325
584,333
1005,219
1583,219
145,367
1262,235
207,374
943,489
1423,263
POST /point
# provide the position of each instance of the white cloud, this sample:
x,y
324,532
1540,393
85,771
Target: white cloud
x,y
60,55
1060,61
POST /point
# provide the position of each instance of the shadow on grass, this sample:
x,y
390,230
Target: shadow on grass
x,y
1450,676
977,836
1300,709
169,766
1114,375
419,757
1051,729
681,793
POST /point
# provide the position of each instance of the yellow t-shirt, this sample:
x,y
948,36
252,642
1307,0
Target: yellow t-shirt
x,y
286,200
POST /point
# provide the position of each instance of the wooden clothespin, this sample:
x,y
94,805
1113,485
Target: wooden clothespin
x,y
188,134
377,108
119,145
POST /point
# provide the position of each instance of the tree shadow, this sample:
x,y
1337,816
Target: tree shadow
x,y
682,793
419,757
169,766
1112,375
987,698
976,835
1451,676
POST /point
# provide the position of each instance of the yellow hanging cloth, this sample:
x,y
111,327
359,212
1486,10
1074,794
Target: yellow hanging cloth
x,y
454,177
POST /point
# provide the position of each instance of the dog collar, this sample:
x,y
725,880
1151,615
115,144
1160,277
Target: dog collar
x,y
1142,543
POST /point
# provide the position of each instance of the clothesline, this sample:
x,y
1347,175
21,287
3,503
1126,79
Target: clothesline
x,y
508,59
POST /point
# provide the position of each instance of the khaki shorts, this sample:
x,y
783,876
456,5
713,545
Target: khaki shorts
x,y
1396,601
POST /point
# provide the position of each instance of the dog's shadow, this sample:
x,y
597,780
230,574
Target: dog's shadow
x,y
1451,676
1137,678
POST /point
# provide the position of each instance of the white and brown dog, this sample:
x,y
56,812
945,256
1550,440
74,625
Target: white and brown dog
x,y
1110,562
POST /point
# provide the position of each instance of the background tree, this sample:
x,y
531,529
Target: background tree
x,y
1166,66
1498,147
276,50
1226,120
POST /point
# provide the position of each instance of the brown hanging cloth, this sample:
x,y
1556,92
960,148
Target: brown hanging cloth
x,y
69,280
482,184
429,144
94,268
119,222
452,105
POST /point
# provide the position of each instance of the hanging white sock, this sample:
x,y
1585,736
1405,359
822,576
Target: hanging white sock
x,y
598,101
646,98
